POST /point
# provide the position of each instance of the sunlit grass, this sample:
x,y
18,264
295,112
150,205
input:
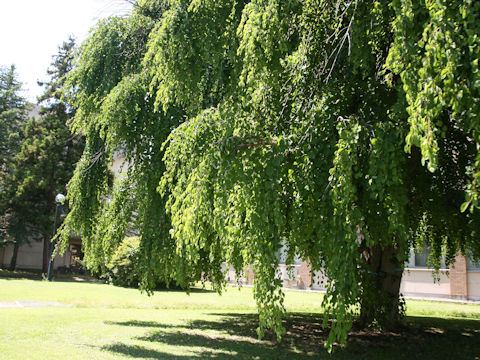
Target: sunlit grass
x,y
87,294
99,321
443,309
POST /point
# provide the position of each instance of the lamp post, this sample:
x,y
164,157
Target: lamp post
x,y
59,199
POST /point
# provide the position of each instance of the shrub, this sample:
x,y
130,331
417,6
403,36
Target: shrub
x,y
123,270
124,267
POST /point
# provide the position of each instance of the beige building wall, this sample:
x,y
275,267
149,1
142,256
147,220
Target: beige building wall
x,y
30,257
473,284
422,282
457,282
119,166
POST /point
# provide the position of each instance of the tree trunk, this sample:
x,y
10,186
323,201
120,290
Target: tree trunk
x,y
46,253
13,262
381,287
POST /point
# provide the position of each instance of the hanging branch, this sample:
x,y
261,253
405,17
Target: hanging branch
x,y
95,158
258,142
261,143
346,36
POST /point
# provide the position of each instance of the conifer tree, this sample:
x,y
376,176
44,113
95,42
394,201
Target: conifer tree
x,y
12,115
45,162
13,110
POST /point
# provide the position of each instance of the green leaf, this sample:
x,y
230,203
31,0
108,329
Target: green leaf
x,y
464,206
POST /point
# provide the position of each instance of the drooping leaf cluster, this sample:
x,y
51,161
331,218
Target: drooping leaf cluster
x,y
435,54
110,88
252,127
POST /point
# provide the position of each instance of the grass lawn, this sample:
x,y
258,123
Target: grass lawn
x,y
97,321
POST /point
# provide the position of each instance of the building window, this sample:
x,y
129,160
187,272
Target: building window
x,y
421,259
282,254
472,264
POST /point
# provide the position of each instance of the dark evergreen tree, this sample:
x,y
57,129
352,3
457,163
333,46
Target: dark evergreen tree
x,y
44,164
12,117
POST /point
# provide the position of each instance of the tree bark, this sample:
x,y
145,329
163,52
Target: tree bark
x,y
381,287
13,261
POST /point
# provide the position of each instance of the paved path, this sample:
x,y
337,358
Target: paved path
x,y
29,304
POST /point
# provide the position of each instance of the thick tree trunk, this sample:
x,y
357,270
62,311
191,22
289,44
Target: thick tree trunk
x,y
46,253
13,261
381,287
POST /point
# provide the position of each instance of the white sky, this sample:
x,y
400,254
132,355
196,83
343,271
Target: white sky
x,y
32,30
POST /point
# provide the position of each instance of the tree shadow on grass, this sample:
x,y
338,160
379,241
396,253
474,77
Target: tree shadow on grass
x,y
193,290
233,336
140,323
19,274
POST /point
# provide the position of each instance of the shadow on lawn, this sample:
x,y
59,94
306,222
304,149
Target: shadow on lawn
x,y
233,336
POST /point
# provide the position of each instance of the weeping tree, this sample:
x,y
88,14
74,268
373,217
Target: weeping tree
x,y
344,132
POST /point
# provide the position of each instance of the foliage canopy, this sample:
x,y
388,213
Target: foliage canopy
x,y
345,131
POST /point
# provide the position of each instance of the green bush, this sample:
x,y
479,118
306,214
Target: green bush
x,y
123,269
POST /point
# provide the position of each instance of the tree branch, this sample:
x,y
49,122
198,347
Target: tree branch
x,y
261,143
258,142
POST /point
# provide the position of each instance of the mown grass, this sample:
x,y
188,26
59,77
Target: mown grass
x,y
98,321
88,294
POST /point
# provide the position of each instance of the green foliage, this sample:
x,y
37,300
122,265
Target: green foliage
x,y
255,125
123,266
12,117
44,163
13,110
435,51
